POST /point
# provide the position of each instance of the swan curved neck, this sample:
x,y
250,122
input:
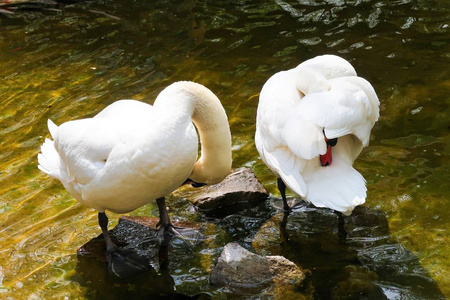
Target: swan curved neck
x,y
208,115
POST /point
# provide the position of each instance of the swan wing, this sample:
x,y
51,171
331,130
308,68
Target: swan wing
x,y
281,122
84,146
329,66
350,106
126,110
285,164
72,157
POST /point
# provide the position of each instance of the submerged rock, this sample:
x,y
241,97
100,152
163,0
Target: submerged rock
x,y
367,227
270,238
239,269
357,283
285,271
238,190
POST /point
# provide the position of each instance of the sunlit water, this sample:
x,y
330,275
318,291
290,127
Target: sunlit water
x,y
67,61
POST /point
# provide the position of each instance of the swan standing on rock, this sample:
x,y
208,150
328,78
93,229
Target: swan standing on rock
x,y
312,123
132,153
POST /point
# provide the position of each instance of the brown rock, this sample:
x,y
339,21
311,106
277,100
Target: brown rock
x,y
285,271
239,189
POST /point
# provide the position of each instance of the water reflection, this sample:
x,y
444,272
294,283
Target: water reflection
x,y
365,265
102,285
174,266
70,60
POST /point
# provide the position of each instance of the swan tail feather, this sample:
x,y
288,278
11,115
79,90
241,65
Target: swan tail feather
x,y
49,160
339,187
52,127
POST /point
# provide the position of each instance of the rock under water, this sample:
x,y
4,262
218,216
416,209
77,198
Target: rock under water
x,y
245,272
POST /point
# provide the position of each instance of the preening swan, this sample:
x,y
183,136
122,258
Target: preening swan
x,y
312,123
132,153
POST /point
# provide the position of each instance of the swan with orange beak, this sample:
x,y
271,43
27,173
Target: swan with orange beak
x,y
312,123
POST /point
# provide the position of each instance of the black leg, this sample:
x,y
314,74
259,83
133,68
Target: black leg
x,y
342,233
103,222
163,257
164,218
164,225
282,189
284,237
121,262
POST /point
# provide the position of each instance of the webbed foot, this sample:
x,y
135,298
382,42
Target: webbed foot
x,y
165,231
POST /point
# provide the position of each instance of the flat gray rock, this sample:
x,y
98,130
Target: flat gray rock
x,y
239,189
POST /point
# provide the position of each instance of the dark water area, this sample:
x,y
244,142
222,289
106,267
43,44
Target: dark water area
x,y
67,59
364,265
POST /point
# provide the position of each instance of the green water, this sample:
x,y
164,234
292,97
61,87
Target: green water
x,y
70,60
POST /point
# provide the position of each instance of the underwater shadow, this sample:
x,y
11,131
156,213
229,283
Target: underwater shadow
x,y
93,271
366,265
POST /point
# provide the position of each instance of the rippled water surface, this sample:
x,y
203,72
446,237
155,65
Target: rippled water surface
x,y
69,60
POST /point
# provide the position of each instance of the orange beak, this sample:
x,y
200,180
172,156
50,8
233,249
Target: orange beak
x,y
326,159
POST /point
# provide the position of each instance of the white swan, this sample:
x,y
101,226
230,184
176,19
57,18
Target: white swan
x,y
132,153
312,123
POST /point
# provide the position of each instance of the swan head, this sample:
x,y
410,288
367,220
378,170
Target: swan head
x,y
327,158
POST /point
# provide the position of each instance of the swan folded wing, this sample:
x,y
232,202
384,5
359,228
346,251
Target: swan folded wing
x,y
330,66
303,138
126,109
338,186
288,167
84,146
155,156
282,162
349,107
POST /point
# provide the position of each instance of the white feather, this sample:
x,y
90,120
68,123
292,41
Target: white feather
x,y
132,153
49,159
296,107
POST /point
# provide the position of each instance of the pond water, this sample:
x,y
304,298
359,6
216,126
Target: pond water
x,y
69,60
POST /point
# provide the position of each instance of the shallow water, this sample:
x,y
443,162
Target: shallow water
x,y
69,60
